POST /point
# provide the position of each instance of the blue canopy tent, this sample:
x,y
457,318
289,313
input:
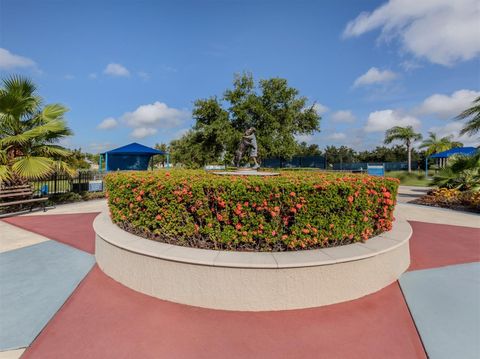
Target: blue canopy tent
x,y
132,157
465,151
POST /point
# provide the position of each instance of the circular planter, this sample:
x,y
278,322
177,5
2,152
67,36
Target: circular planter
x,y
252,281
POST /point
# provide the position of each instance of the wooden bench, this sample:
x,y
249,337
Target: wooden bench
x,y
18,195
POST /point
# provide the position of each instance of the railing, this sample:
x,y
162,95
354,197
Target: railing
x,y
362,166
295,162
61,183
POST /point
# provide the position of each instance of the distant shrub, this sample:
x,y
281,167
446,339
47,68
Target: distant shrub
x,y
297,210
69,197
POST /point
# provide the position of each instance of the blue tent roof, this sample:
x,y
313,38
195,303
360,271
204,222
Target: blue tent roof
x,y
467,151
135,148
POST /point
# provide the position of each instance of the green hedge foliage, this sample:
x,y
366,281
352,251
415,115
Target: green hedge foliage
x,y
296,210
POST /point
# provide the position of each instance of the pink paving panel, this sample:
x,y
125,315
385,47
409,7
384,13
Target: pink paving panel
x,y
104,319
437,245
73,229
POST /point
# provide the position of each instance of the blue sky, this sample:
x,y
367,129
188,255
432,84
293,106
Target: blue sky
x,y
131,70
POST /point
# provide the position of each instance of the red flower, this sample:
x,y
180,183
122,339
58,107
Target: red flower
x,y
350,199
219,217
158,217
238,226
293,194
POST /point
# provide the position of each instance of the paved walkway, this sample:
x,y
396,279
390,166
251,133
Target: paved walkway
x,y
409,193
434,308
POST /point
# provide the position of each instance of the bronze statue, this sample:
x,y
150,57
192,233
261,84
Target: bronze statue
x,y
248,143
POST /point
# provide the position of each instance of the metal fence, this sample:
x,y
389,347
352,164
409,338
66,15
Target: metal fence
x,y
295,162
362,166
60,183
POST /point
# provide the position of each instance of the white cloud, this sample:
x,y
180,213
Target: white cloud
x,y
305,138
92,76
453,129
344,116
410,65
108,124
10,61
146,119
442,31
142,132
336,136
380,121
116,70
69,77
375,76
100,147
445,106
143,75
179,133
157,114
320,109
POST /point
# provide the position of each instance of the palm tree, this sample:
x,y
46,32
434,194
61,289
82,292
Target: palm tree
x,y
29,133
463,173
433,144
405,134
473,125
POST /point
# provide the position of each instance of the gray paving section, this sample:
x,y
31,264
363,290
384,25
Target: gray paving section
x,y
445,305
35,281
409,193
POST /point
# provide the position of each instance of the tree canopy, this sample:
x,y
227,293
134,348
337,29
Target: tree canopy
x,y
275,109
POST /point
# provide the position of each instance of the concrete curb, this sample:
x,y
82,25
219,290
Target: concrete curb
x,y
252,281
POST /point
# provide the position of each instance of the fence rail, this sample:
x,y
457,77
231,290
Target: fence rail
x,y
60,183
295,162
362,166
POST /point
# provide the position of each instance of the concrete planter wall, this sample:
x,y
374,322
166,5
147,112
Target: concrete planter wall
x,y
252,281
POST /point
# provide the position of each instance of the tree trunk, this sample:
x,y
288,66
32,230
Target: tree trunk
x,y
409,151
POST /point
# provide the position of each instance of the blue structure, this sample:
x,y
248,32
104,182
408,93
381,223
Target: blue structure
x,y
376,170
463,151
132,157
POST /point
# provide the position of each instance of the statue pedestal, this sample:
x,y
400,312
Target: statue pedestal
x,y
246,172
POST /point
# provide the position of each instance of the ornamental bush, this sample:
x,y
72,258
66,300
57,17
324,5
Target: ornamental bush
x,y
296,210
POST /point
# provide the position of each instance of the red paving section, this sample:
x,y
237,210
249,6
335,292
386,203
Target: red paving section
x,y
73,229
438,245
104,319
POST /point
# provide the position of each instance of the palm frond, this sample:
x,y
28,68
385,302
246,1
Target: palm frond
x,y
473,125
63,167
5,173
50,151
33,167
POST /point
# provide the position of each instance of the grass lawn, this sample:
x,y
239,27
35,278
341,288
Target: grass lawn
x,y
416,178
62,185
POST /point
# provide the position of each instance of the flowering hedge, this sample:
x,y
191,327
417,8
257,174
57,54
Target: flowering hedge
x,y
296,210
452,198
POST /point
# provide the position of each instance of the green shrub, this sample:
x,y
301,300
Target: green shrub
x,y
69,197
59,198
296,210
